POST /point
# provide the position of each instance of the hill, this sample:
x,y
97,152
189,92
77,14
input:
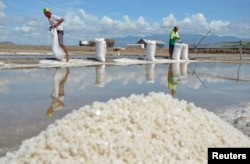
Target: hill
x,y
7,42
186,38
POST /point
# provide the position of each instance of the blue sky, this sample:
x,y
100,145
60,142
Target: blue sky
x,y
23,22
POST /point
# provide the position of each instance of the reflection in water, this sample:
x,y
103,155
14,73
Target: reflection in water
x,y
59,79
172,84
100,75
183,67
150,72
175,72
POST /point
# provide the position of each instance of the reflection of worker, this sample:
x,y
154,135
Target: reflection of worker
x,y
173,38
57,96
172,84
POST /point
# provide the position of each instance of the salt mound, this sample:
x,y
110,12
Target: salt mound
x,y
139,129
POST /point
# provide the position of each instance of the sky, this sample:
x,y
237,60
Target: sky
x,y
23,21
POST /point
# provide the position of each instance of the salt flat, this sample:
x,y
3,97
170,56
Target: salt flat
x,y
87,62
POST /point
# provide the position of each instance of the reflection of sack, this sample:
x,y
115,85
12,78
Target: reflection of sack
x,y
184,51
56,48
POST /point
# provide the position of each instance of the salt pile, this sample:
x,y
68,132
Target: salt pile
x,y
139,129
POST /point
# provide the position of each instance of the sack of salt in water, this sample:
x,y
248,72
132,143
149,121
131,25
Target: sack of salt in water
x,y
56,48
100,49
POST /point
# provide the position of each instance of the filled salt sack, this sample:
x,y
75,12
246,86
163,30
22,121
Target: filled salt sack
x,y
100,49
150,50
177,51
56,48
184,51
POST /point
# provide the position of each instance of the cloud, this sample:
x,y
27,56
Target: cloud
x,y
89,26
123,27
80,21
80,25
196,23
2,6
169,21
23,29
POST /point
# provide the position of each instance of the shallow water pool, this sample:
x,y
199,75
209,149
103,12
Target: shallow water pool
x,y
31,99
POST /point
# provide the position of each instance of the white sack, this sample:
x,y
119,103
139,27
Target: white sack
x,y
184,51
56,48
150,50
177,51
100,49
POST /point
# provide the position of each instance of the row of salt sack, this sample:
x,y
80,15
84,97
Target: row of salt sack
x,y
60,54
180,51
101,50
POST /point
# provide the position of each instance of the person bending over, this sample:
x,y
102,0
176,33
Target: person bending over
x,y
55,22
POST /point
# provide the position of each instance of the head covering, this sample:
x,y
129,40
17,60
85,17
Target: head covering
x,y
46,10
